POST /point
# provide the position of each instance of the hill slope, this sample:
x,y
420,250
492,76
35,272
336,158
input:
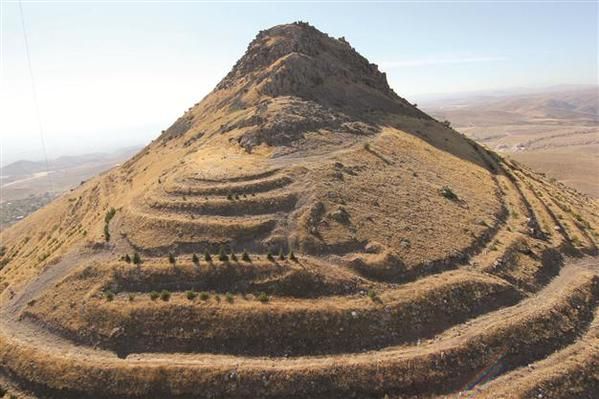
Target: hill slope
x,y
303,231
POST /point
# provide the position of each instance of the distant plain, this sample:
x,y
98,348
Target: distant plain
x,y
554,131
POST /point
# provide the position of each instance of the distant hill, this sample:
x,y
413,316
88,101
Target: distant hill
x,y
554,130
554,106
28,185
24,167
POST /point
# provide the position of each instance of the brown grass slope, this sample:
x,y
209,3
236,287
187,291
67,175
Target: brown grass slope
x,y
302,231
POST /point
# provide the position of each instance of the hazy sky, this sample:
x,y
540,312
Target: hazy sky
x,y
110,74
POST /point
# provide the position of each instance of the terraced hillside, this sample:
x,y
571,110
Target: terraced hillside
x,y
305,232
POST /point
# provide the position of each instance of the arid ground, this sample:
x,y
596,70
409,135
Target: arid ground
x,y
305,232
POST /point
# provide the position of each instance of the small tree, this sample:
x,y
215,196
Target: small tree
x,y
229,297
171,258
207,256
263,297
269,256
191,295
292,256
222,254
233,256
281,254
127,258
109,295
195,259
106,233
109,215
374,297
372,294
136,259
245,256
165,295
154,295
448,193
204,296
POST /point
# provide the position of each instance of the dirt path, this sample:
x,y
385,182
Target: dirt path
x,y
10,322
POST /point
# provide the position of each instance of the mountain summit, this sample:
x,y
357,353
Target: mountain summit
x,y
303,231
299,60
295,78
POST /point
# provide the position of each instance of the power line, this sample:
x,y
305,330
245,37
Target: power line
x,y
35,100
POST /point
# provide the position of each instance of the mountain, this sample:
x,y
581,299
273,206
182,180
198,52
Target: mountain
x,y
303,231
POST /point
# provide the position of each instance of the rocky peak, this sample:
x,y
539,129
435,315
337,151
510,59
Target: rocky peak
x,y
298,54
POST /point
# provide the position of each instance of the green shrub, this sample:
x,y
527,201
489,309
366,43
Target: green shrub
x,y
109,295
165,295
131,297
229,297
263,297
292,256
195,259
372,295
109,215
106,233
136,259
269,256
222,254
233,257
245,256
207,256
154,295
204,296
191,295
127,258
171,259
448,193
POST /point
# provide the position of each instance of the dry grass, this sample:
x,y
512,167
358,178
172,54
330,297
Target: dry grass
x,y
422,257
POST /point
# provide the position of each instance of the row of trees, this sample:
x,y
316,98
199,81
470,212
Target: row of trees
x,y
222,255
